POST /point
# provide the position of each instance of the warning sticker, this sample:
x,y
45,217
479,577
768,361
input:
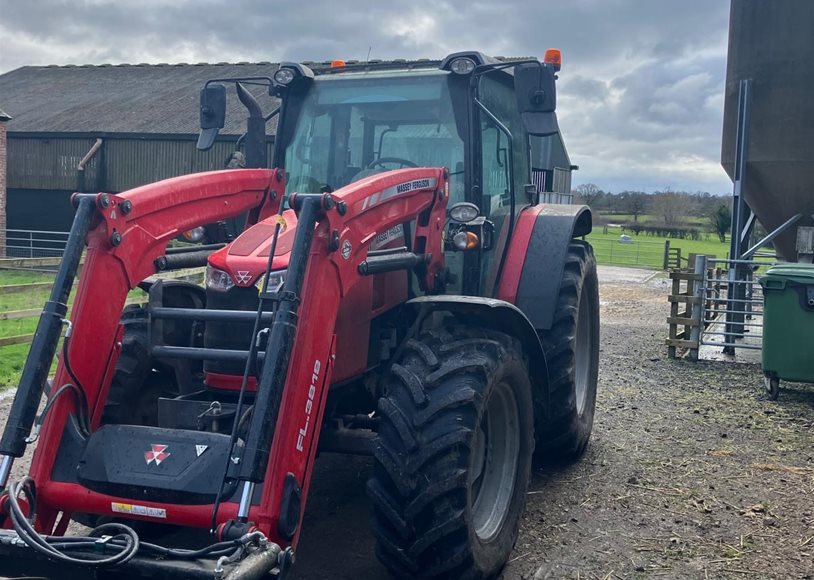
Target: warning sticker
x,y
138,510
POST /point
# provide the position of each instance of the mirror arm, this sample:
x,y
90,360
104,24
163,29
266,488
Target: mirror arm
x,y
271,115
487,68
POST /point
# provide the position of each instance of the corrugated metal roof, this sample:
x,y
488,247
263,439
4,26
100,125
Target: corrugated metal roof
x,y
136,98
140,98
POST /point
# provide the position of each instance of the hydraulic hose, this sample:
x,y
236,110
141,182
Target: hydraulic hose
x,y
23,525
117,536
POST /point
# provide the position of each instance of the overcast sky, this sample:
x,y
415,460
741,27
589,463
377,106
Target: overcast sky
x,y
640,93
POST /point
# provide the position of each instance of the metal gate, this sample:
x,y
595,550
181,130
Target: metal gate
x,y
732,307
724,306
35,243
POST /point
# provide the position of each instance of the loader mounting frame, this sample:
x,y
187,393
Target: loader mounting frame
x,y
127,235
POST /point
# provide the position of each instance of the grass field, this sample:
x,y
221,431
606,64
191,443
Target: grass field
x,y
648,251
12,358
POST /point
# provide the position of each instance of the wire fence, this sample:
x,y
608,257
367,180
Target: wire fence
x,y
632,252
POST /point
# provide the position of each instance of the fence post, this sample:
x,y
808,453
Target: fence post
x,y
666,261
700,268
611,252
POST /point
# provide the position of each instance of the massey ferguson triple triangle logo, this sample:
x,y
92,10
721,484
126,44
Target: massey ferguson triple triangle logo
x,y
158,454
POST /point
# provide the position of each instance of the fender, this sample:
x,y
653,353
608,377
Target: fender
x,y
178,288
534,264
504,317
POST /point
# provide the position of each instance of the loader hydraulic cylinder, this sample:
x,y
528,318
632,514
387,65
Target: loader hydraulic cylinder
x,y
280,343
46,338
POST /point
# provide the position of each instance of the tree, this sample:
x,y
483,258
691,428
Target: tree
x,y
589,193
721,220
672,206
636,204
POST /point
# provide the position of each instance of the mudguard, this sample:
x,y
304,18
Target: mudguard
x,y
498,315
534,264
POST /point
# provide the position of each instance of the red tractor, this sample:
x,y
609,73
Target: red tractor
x,y
399,290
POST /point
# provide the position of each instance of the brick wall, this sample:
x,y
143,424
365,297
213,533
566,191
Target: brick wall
x,y
2,186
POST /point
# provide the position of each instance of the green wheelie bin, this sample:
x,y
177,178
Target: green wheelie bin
x,y
788,325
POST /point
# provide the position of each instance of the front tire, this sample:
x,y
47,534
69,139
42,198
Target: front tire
x,y
133,397
571,347
136,385
453,455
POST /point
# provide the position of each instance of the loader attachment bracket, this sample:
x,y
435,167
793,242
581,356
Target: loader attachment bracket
x,y
259,559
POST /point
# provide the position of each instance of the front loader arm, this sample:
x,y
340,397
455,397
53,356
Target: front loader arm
x,y
329,256
332,262
126,234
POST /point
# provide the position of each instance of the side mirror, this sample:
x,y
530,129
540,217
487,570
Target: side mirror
x,y
213,114
536,93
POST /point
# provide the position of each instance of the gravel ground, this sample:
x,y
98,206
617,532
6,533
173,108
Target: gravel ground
x,y
691,472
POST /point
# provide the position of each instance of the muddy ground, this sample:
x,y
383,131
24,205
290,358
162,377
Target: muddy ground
x,y
691,473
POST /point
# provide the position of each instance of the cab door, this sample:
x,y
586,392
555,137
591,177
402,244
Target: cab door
x,y
504,170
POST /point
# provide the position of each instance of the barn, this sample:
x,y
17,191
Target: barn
x,y
105,128
114,127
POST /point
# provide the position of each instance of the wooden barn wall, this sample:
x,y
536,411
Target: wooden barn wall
x,y
48,164
51,164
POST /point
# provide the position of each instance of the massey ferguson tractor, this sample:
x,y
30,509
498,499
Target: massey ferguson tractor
x,y
396,288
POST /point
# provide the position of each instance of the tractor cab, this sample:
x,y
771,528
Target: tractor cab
x,y
353,125
490,123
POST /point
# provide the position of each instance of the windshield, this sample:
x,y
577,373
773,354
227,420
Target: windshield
x,y
353,126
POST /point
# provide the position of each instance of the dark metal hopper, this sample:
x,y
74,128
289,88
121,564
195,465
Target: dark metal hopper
x,y
771,42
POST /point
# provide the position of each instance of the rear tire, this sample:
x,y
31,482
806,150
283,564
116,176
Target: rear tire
x,y
572,352
453,455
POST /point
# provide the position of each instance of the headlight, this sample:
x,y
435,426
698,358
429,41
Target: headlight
x,y
276,281
463,212
218,280
464,241
462,65
284,76
195,234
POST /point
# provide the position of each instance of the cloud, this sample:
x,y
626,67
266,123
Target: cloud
x,y
661,121
640,92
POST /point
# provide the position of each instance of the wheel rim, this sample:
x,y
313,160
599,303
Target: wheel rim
x,y
582,351
493,467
